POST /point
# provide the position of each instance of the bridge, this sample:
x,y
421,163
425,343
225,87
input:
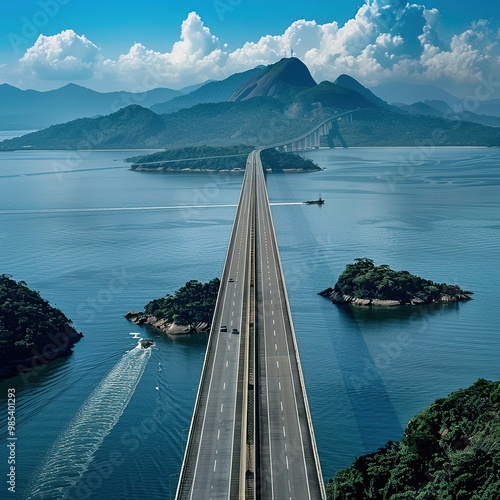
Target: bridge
x,y
312,138
251,435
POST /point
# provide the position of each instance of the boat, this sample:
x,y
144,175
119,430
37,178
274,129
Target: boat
x,y
319,201
145,343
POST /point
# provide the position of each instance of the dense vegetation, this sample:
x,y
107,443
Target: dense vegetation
x,y
218,91
277,161
210,158
450,451
261,121
29,324
365,280
218,158
379,127
334,97
274,105
191,304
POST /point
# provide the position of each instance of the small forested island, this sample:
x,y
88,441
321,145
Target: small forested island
x,y
449,451
32,332
218,159
189,310
365,284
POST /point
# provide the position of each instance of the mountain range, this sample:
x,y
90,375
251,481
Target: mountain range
x,y
400,93
30,109
259,107
210,92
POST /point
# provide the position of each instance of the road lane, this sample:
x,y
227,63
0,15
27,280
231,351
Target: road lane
x,y
285,438
286,461
211,464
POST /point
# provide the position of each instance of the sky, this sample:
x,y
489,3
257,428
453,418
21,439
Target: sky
x,y
116,45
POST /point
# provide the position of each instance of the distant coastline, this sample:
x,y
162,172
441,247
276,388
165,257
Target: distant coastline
x,y
218,159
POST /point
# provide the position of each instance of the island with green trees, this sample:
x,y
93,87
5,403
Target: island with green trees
x,y
218,159
365,284
451,450
189,310
32,332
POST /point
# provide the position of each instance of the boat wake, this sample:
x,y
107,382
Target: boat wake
x,y
74,449
109,209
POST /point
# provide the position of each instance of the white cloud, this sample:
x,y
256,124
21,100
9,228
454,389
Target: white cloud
x,y
65,56
196,57
387,39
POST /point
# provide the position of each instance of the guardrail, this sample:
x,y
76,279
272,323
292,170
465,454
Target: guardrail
x,y
186,474
297,358
208,355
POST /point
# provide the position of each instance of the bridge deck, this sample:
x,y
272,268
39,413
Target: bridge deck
x,y
286,460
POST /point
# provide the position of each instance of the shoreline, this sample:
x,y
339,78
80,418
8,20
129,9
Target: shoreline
x,y
140,318
61,347
340,299
322,148
161,170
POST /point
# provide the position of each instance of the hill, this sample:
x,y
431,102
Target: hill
x,y
443,110
364,283
130,127
277,104
448,451
209,158
281,80
260,121
408,93
332,97
32,332
348,82
379,127
211,92
189,310
30,109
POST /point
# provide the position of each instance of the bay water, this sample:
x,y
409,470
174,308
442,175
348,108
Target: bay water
x,y
98,240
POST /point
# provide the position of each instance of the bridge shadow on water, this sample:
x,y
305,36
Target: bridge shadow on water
x,y
367,394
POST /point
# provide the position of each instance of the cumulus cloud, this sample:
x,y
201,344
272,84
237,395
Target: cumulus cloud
x,y
385,40
196,57
65,56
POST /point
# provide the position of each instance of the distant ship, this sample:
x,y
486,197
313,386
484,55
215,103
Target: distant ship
x,y
319,201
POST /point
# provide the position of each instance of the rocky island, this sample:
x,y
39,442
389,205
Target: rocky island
x,y
365,284
189,310
450,450
32,332
218,159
